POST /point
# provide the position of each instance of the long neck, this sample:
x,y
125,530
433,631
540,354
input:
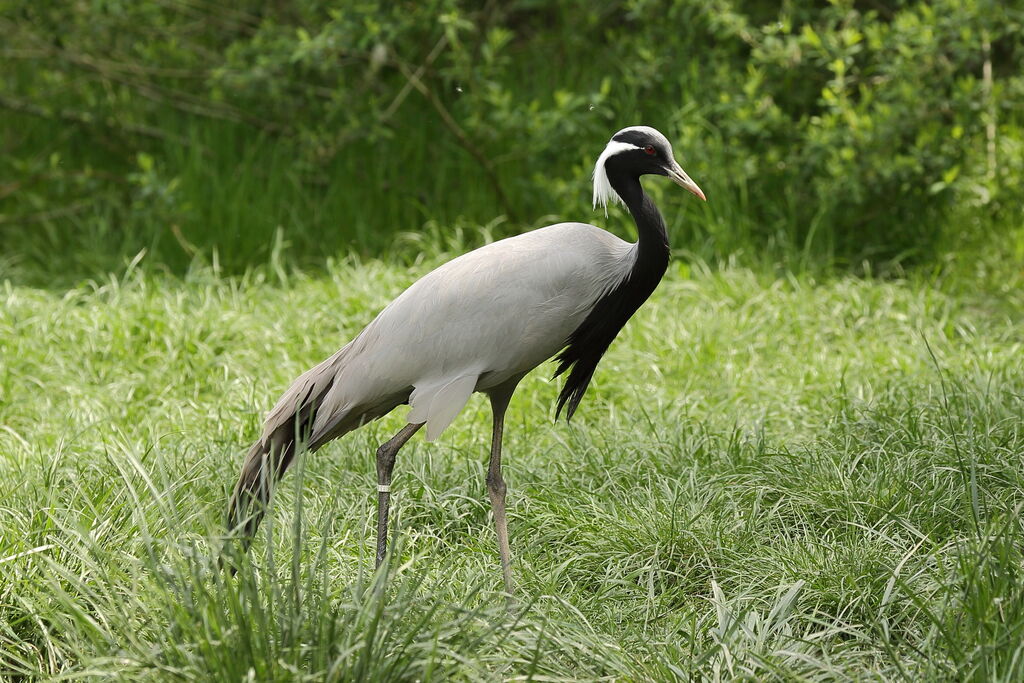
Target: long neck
x,y
652,238
588,342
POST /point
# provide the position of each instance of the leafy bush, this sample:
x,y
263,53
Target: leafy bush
x,y
844,130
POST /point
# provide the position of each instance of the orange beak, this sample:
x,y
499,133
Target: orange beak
x,y
679,177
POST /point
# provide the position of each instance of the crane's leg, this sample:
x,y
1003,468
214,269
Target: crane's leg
x,y
385,463
496,485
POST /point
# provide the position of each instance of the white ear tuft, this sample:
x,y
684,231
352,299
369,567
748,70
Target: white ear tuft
x,y
603,191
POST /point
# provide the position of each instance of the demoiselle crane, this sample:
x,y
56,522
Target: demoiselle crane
x,y
479,323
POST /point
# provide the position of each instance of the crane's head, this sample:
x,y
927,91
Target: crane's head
x,y
633,152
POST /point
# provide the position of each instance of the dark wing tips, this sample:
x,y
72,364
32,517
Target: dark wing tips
x,y
265,463
249,499
251,496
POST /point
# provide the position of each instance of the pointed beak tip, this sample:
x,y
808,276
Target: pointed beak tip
x,y
679,177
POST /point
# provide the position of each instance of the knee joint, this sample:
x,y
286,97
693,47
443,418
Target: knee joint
x,y
385,459
496,484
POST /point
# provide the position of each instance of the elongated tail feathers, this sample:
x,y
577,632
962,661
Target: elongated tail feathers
x,y
269,458
261,468
307,416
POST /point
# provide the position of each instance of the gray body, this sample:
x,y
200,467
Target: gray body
x,y
472,324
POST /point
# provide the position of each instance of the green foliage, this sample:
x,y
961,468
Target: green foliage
x,y
874,114
840,131
797,479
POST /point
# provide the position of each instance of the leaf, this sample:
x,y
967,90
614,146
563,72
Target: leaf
x,y
810,36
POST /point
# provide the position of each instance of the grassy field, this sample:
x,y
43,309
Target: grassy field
x,y
770,477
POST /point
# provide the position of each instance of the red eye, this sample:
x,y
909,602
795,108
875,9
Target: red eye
x,y
649,149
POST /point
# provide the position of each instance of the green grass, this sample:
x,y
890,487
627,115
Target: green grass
x,y
795,478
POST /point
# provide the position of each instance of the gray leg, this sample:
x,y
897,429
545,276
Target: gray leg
x,y
496,485
385,463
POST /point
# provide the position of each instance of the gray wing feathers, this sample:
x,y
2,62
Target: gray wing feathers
x,y
438,404
315,382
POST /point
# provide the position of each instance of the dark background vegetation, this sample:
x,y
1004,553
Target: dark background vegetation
x,y
857,134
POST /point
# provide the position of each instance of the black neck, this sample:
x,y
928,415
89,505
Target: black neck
x,y
592,338
652,237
